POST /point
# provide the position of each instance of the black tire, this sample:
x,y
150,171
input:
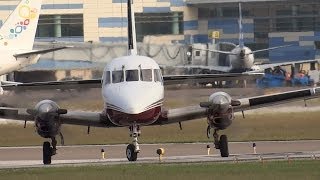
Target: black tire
x,y
131,154
223,144
47,152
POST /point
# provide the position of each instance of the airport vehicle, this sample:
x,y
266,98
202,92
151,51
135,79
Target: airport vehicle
x,y
133,94
17,37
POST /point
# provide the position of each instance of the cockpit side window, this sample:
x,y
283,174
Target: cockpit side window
x,y
117,76
132,75
157,75
107,78
146,75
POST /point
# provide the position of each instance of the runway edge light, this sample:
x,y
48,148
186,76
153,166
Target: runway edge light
x,y
160,152
103,154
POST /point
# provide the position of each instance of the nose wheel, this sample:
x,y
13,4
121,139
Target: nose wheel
x,y
131,154
221,144
133,149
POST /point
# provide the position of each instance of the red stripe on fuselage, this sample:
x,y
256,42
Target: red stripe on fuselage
x,y
124,119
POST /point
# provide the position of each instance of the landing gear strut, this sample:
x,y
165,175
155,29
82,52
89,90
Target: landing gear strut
x,y
49,151
221,144
133,149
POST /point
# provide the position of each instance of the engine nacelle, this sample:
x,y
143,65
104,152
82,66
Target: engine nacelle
x,y
47,122
220,110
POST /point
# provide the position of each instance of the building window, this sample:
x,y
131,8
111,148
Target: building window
x,y
60,25
158,24
317,44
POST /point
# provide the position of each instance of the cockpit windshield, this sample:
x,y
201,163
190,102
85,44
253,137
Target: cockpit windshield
x,y
107,78
146,75
157,75
117,76
132,75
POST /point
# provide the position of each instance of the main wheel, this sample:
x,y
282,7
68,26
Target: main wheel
x,y
47,152
131,154
223,144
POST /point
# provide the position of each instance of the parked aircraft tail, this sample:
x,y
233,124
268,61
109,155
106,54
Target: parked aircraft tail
x,y
241,38
18,31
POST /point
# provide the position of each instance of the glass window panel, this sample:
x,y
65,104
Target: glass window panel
x,y
146,75
158,24
107,78
68,25
157,75
117,76
132,75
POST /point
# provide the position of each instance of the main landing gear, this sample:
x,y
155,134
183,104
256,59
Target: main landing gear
x,y
133,149
221,144
49,151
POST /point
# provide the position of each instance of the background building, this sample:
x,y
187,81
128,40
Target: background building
x,y
267,23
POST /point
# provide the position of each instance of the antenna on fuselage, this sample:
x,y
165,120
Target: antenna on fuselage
x,y
132,41
241,39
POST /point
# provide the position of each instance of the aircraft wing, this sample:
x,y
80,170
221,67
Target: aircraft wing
x,y
218,69
96,83
96,119
217,51
72,117
196,112
72,84
268,49
35,52
207,78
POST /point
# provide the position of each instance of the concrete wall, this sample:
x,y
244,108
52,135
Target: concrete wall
x,y
96,55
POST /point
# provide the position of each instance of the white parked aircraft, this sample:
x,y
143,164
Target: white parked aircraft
x,y
241,58
17,37
133,94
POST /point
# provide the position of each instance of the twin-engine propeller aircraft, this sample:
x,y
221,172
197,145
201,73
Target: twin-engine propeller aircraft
x,y
17,37
133,94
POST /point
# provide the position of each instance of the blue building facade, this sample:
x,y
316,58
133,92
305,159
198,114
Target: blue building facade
x,y
266,23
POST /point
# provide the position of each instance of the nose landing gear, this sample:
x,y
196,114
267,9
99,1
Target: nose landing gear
x,y
133,149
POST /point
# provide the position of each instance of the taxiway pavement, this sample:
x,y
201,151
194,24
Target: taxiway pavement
x,y
184,152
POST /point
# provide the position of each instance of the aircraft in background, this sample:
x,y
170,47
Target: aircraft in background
x,y
17,36
241,58
133,95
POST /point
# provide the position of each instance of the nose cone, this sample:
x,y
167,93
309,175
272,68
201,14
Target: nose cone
x,y
134,98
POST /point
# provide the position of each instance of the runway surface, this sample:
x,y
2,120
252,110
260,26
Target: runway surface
x,y
15,157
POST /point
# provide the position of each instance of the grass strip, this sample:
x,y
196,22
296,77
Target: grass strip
x,y
246,170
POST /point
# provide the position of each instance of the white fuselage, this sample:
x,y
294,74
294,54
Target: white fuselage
x,y
240,62
137,96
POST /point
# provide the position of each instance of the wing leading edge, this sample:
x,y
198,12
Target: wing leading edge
x,y
96,83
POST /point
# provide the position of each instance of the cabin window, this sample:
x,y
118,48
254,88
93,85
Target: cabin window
x,y
132,75
157,75
197,53
107,78
146,75
117,76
